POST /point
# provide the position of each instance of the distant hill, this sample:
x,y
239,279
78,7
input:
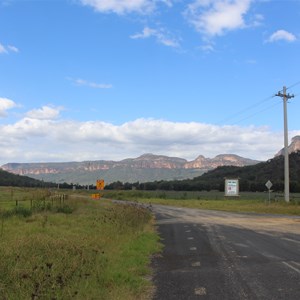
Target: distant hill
x,y
147,167
9,179
251,178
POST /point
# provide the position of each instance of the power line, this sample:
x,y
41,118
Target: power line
x,y
255,105
247,109
256,113
293,85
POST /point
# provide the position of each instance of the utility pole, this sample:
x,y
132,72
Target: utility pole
x,y
285,97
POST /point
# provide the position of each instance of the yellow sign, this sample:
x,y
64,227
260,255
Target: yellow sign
x,y
96,196
100,184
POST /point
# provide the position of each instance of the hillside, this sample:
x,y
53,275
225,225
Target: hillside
x,y
252,178
147,167
9,179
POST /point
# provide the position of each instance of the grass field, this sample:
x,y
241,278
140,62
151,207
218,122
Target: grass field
x,y
214,200
92,250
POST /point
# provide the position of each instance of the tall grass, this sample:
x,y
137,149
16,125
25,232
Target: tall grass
x,y
99,251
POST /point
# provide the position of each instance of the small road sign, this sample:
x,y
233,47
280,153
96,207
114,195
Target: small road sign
x,y
269,184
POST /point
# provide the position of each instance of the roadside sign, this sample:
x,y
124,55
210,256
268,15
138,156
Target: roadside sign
x,y
269,184
100,184
231,187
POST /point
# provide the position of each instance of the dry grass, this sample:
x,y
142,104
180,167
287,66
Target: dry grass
x,y
100,251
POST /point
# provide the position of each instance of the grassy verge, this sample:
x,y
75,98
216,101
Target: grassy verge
x,y
97,250
249,202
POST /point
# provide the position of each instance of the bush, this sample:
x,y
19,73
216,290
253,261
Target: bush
x,y
64,209
17,211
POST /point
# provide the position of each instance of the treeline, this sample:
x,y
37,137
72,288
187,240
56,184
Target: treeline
x,y
251,178
9,179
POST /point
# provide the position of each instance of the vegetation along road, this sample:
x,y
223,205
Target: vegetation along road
x,y
223,255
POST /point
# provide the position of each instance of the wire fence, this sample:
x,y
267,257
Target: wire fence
x,y
36,201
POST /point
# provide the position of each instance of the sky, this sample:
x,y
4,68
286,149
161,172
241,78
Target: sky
x,y
109,79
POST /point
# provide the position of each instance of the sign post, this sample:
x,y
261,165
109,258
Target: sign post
x,y
269,184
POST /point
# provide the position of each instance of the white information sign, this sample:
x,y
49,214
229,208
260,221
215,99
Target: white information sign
x,y
269,184
231,187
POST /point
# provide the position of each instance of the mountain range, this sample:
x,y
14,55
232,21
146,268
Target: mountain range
x,y
145,168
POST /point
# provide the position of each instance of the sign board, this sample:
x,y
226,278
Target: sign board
x,y
269,184
231,187
96,196
100,184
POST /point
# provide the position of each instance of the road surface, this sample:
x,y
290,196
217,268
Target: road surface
x,y
220,255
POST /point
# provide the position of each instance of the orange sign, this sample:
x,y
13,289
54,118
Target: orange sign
x,y
95,196
100,184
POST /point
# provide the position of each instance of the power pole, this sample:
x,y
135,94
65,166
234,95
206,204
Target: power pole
x,y
285,98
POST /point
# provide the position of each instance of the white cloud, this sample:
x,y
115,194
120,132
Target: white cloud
x,y
13,48
2,49
216,17
282,35
7,49
121,6
6,104
44,113
207,48
257,20
160,34
94,85
40,136
147,32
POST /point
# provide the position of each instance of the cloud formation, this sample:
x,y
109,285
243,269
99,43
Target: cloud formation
x,y
44,113
159,34
121,6
7,49
6,104
94,85
282,35
216,17
41,135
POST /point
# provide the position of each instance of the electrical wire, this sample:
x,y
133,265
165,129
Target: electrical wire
x,y
247,109
256,113
293,85
255,105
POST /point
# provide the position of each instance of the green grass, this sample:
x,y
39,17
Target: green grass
x,y
247,202
97,251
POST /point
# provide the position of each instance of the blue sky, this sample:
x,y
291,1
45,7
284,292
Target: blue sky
x,y
99,79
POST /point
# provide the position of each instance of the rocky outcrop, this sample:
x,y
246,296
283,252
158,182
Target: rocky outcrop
x,y
202,162
293,147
